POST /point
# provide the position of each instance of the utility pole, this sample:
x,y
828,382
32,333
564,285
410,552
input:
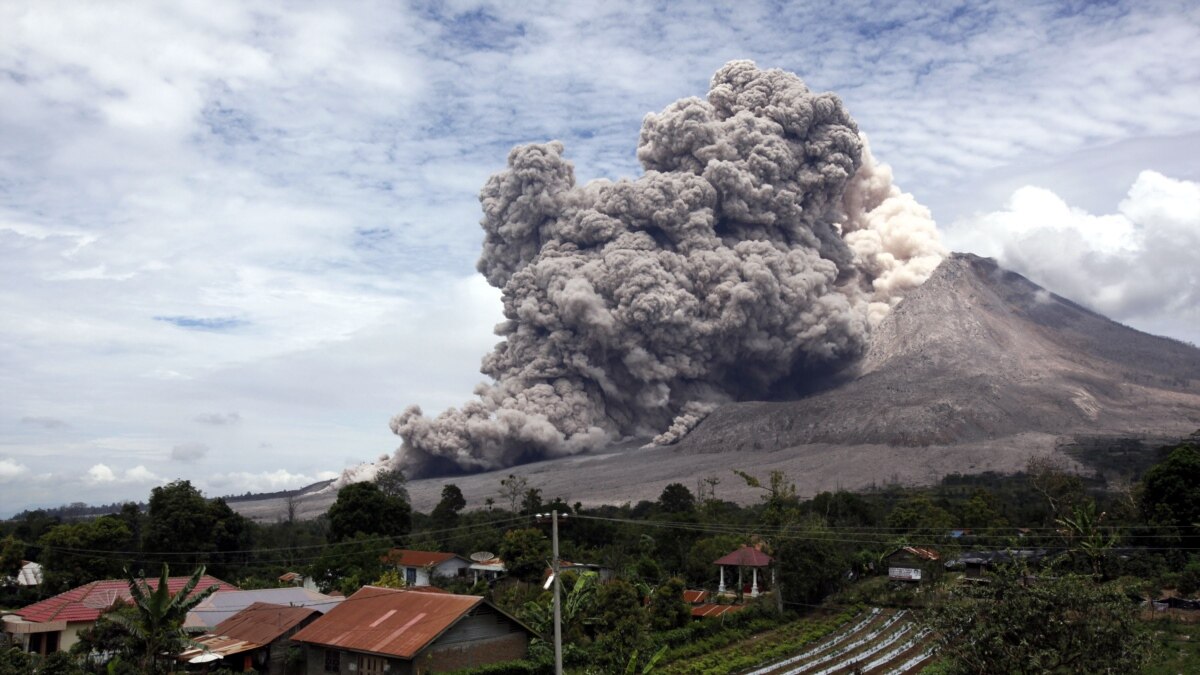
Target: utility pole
x,y
557,581
557,608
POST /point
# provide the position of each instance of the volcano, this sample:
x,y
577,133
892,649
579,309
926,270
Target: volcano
x,y
979,354
979,369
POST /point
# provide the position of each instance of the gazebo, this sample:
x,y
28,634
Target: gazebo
x,y
746,556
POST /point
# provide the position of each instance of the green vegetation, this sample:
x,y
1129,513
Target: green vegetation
x,y
1101,548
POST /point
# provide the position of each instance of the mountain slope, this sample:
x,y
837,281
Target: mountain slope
x,y
979,353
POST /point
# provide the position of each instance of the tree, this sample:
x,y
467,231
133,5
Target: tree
x,y
1066,624
1061,489
445,514
525,553
347,565
361,508
1169,496
667,609
676,498
157,630
620,626
74,554
919,515
531,502
393,483
812,562
512,489
12,556
178,521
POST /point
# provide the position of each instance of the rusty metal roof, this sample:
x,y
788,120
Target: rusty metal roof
x,y
263,622
920,552
695,597
389,621
746,556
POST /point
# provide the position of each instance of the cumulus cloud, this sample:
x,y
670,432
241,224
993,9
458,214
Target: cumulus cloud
x,y
189,452
11,470
1135,264
759,247
102,474
219,419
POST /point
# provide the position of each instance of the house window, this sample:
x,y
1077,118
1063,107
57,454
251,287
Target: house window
x,y
333,661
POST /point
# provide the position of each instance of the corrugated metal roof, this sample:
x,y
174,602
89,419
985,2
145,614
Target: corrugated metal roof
x,y
710,610
395,622
263,622
695,597
746,556
220,606
407,558
87,602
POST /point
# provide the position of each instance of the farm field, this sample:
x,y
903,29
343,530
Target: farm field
x,y
873,641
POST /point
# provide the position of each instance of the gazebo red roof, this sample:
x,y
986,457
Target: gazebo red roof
x,y
746,556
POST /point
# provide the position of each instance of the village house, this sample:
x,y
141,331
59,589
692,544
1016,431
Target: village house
x,y
411,632
54,624
421,567
254,639
911,563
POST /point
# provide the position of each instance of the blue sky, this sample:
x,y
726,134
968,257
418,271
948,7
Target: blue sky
x,y
235,238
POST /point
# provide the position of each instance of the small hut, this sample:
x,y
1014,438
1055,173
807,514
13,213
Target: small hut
x,y
746,556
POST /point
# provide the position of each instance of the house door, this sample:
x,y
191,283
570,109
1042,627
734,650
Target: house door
x,y
410,576
371,665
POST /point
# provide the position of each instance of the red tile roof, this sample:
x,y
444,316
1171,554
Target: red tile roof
x,y
389,621
87,602
746,556
406,558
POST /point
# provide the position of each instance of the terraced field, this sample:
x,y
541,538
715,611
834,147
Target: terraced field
x,y
877,642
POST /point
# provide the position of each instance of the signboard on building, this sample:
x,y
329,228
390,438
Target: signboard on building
x,y
904,574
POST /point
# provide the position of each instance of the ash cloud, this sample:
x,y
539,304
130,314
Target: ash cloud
x,y
759,247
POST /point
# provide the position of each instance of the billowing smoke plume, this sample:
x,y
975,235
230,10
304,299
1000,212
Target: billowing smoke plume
x,y
759,247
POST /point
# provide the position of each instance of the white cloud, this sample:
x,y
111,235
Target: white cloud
x,y
11,470
1134,265
101,474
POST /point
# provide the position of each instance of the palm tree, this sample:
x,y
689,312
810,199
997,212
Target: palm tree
x,y
157,629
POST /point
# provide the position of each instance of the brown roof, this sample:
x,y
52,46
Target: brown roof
x,y
695,597
407,558
390,621
263,622
746,556
258,625
920,552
